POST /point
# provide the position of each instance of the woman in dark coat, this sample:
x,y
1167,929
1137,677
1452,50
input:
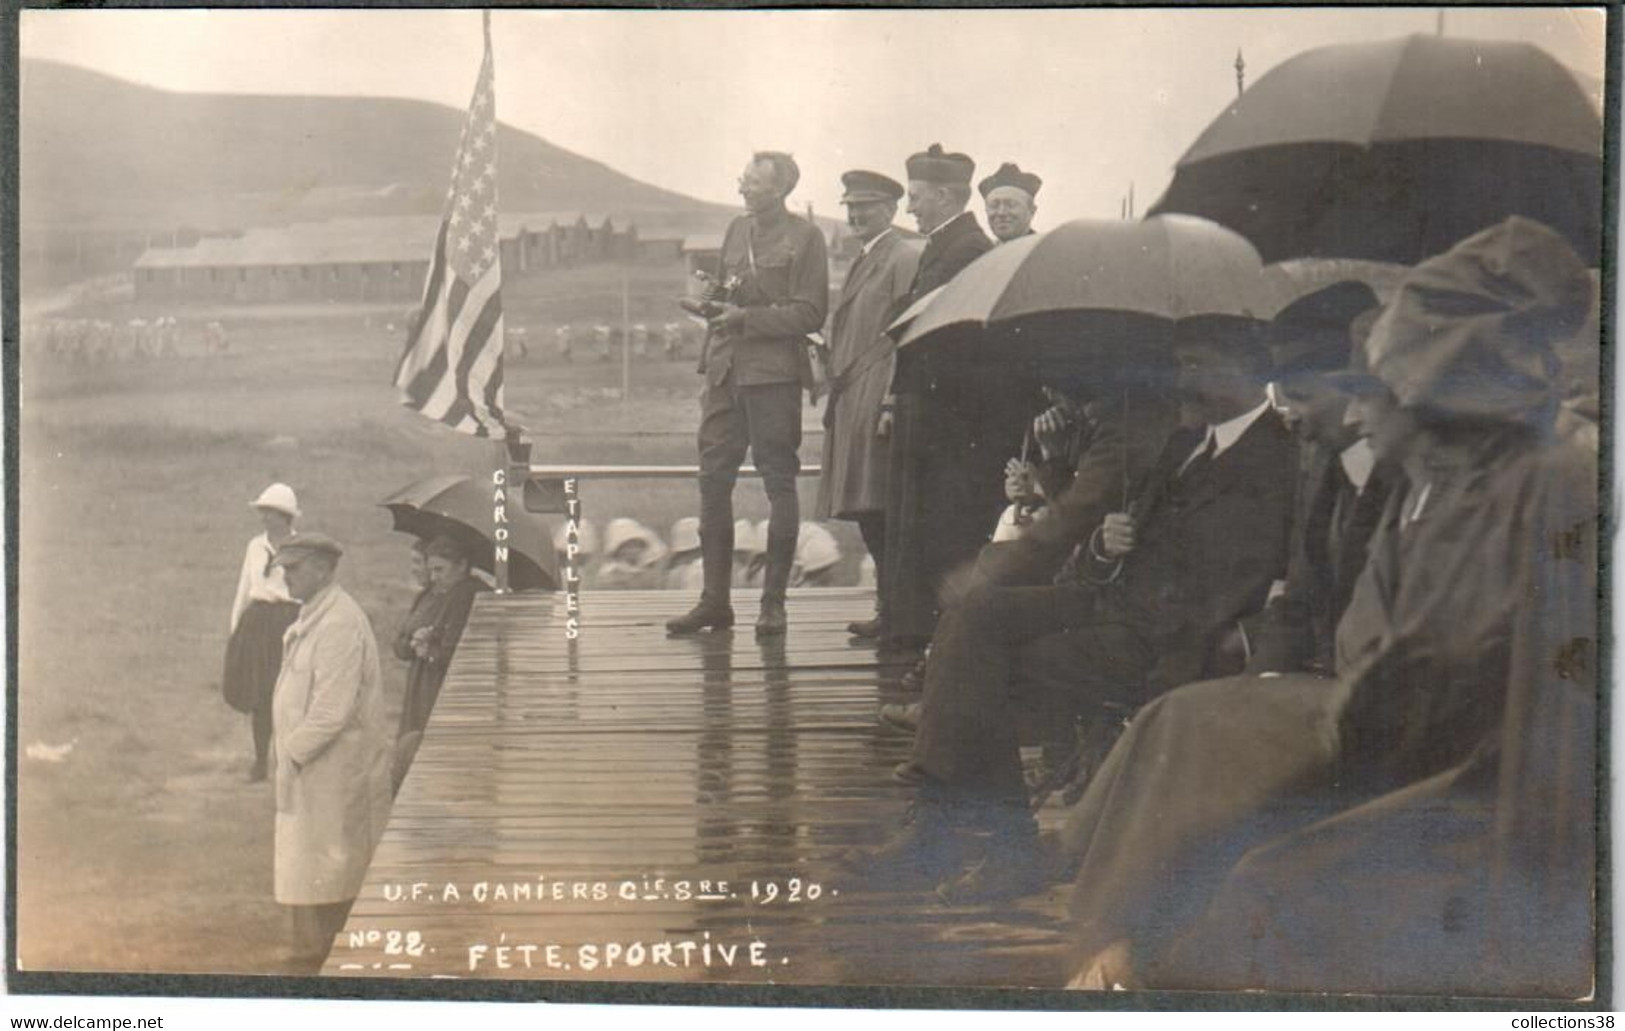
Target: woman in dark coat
x,y
1423,822
428,639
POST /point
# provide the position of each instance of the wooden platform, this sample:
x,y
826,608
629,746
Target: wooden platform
x,y
627,763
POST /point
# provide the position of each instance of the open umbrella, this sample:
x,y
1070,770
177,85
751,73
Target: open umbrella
x,y
1396,150
1092,298
462,507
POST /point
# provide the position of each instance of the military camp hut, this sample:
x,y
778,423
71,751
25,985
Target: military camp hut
x,y
363,259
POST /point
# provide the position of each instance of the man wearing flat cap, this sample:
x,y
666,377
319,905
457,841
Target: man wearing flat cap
x,y
333,749
756,365
861,360
929,442
1009,195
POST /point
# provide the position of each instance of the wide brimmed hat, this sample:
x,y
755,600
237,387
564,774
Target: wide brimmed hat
x,y
278,497
1471,332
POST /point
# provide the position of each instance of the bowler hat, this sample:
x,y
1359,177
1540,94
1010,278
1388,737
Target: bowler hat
x,y
1311,335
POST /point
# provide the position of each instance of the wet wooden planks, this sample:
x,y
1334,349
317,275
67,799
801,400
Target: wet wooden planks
x,y
629,806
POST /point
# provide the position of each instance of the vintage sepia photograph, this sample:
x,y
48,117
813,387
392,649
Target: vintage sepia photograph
x,y
1104,500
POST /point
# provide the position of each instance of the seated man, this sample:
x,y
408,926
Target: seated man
x,y
1342,490
1198,548
1449,765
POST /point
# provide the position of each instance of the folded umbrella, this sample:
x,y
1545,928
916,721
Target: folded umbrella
x,y
1395,150
463,507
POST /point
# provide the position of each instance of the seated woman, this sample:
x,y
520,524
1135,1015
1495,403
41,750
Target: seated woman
x,y
1422,822
818,558
633,556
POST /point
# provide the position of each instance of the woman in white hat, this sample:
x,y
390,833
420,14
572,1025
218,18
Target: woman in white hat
x,y
260,614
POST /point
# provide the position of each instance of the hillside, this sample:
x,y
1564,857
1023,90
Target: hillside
x,y
101,154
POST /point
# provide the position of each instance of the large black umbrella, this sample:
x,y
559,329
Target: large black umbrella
x,y
1396,150
462,507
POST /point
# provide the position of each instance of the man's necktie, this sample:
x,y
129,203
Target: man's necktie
x,y
1200,460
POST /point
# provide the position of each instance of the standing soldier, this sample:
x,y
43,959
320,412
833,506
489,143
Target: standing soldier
x,y
755,366
1008,195
862,357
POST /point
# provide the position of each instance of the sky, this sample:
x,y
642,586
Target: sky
x,y
1091,100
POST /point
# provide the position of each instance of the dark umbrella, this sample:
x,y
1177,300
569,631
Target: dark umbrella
x,y
1396,150
462,507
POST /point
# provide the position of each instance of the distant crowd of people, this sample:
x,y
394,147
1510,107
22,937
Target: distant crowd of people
x,y
632,556
86,341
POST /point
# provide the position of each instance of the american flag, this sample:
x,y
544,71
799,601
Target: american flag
x,y
451,369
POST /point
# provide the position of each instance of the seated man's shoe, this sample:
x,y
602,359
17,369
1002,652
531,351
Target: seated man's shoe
x,y
772,622
910,774
1009,870
914,679
868,629
1056,767
704,616
905,718
922,853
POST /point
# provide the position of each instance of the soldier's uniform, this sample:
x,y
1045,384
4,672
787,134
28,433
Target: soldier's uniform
x,y
753,384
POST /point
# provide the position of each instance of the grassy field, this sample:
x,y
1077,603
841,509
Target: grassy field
x,y
142,848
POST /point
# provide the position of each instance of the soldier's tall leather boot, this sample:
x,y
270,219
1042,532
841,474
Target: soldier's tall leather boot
x,y
717,560
781,555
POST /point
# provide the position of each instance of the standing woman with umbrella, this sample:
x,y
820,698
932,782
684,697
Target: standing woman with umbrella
x,y
260,613
430,639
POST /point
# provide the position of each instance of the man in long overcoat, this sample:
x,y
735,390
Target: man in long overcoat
x,y
333,750
861,361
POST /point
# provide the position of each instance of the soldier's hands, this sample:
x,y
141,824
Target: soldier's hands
x,y
1020,480
1050,428
1117,535
731,319
883,427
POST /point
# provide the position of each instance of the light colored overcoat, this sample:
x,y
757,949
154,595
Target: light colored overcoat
x,y
333,747
861,363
